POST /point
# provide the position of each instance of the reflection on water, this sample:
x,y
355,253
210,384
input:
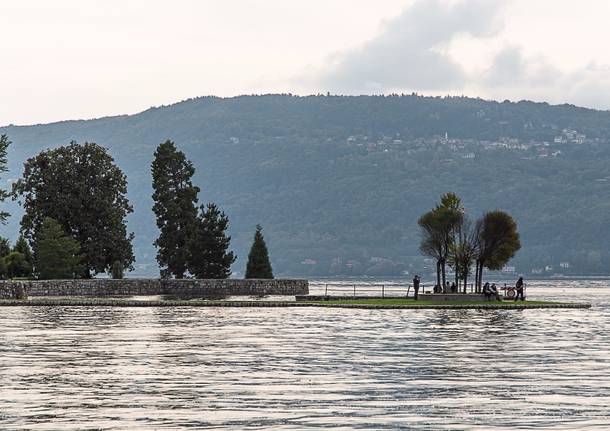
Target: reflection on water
x,y
295,368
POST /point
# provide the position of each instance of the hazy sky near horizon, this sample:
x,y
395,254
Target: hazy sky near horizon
x,y
72,59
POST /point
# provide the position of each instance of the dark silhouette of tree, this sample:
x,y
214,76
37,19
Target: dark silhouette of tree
x,y
258,265
498,241
17,265
209,255
5,247
437,229
56,254
175,199
81,188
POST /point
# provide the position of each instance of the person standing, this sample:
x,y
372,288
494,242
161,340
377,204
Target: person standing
x,y
519,289
416,286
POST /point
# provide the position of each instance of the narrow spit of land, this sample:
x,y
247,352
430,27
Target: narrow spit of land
x,y
373,303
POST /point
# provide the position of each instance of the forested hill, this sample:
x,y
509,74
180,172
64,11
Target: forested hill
x,y
339,182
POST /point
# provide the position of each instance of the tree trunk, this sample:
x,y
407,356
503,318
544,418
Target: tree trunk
x,y
465,282
444,285
438,272
476,277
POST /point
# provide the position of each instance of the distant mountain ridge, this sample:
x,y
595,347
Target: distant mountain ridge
x,y
338,181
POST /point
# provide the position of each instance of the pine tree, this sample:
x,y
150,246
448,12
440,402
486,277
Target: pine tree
x,y
56,255
5,247
258,259
23,247
209,249
175,207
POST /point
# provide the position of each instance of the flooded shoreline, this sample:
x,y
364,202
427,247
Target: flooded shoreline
x,y
307,368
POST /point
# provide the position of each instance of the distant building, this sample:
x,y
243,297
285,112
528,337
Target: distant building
x,y
309,262
509,269
565,265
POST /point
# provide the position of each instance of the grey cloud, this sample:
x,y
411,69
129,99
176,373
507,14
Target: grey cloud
x,y
513,75
510,68
406,55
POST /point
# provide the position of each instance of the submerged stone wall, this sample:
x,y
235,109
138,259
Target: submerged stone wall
x,y
149,286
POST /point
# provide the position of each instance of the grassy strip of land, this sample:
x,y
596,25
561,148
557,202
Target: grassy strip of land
x,y
373,303
411,302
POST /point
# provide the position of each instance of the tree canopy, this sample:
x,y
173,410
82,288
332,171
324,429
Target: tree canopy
x,y
210,256
81,188
175,199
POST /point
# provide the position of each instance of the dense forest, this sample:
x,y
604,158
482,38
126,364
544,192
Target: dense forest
x,y
339,182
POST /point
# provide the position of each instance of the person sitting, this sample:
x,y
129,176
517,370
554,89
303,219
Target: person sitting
x,y
487,291
494,292
453,288
437,288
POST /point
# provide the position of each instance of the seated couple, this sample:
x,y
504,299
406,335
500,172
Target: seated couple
x,y
491,291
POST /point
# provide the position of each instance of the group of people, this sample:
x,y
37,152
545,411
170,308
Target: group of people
x,y
448,288
489,290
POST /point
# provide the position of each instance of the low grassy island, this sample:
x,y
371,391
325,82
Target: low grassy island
x,y
399,303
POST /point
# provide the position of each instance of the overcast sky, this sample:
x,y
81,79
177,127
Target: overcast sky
x,y
70,59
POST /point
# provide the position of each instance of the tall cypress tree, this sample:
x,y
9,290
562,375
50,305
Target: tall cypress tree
x,y
209,249
258,259
175,207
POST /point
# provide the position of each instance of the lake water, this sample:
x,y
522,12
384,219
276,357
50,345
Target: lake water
x,y
299,368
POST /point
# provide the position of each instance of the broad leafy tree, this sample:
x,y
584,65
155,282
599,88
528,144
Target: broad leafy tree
x,y
209,254
258,265
81,188
437,229
17,265
498,241
57,255
175,200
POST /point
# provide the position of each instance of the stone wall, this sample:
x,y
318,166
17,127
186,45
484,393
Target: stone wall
x,y
145,287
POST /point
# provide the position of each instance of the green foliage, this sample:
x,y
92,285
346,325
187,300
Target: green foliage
x,y
81,188
3,269
117,270
437,230
23,247
258,265
498,239
175,199
57,255
209,255
17,265
5,247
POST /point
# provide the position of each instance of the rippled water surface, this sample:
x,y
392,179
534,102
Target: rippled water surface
x,y
297,368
